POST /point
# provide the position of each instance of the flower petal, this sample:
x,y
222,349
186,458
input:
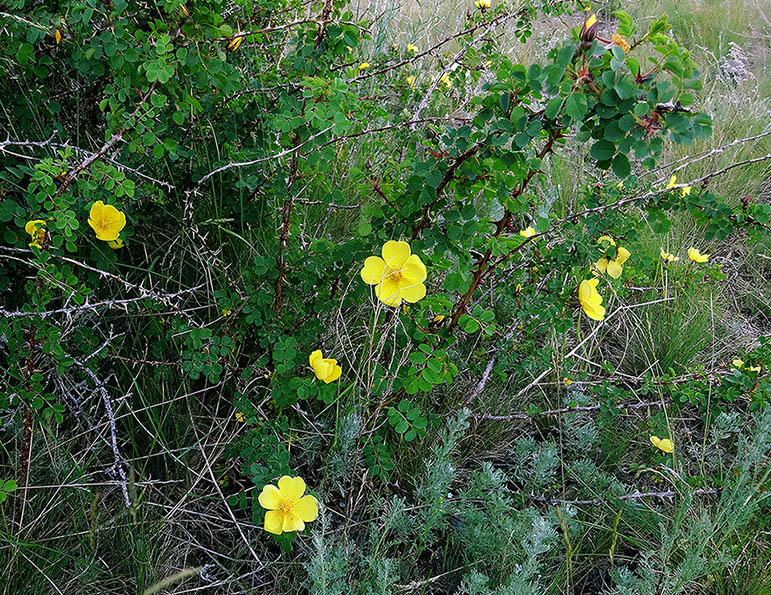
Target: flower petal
x,y
292,488
414,268
314,356
607,239
321,368
373,270
270,497
614,269
395,253
595,312
274,522
623,255
334,374
293,522
307,508
601,265
387,291
411,290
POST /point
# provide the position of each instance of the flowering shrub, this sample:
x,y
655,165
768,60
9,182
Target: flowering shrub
x,y
250,163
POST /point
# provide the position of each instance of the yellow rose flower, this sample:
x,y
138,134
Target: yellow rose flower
x,y
37,231
590,299
667,256
737,363
240,417
413,49
697,256
327,370
672,182
567,381
234,44
364,66
527,233
664,444
288,510
621,42
685,191
614,267
106,221
398,276
482,4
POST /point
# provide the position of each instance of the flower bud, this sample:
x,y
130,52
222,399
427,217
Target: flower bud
x,y
588,32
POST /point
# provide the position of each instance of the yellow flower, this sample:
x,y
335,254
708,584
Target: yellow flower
x,y
364,66
398,276
116,244
37,231
327,370
226,312
411,81
58,36
413,49
753,368
482,4
590,299
667,256
240,417
672,182
685,191
288,510
738,363
349,48
620,185
614,268
234,44
106,221
664,444
445,80
697,256
621,42
567,381
527,233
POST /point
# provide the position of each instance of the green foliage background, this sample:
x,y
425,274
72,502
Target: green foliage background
x,y
147,394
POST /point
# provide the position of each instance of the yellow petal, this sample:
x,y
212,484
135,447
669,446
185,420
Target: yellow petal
x,y
738,363
607,239
395,254
293,522
697,256
274,522
601,265
595,312
388,292
372,272
314,356
414,268
291,488
623,255
334,374
32,227
685,191
115,244
586,288
321,368
57,36
591,21
270,497
614,269
527,233
672,182
412,290
307,508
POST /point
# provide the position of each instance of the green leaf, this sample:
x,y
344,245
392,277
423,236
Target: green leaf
x,y
576,107
621,166
602,150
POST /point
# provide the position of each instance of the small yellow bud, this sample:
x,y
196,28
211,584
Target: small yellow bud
x,y
235,43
